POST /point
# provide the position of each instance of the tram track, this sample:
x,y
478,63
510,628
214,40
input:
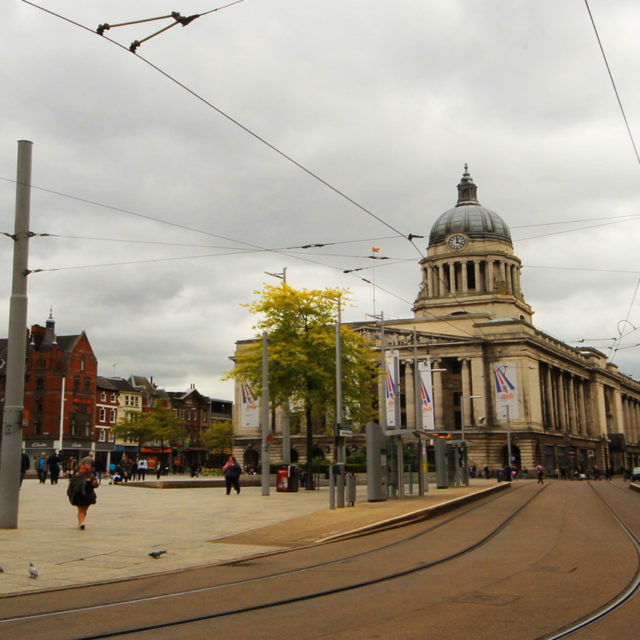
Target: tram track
x,y
403,540
351,569
629,591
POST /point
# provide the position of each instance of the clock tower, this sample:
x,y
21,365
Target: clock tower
x,y
470,270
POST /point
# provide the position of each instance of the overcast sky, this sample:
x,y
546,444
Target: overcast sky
x,y
384,101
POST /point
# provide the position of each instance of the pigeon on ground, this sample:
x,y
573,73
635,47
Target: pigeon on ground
x,y
1,570
157,554
33,572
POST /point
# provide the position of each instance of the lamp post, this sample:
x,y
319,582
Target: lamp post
x,y
422,484
286,431
463,467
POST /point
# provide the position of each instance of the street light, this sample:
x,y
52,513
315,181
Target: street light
x,y
463,467
462,413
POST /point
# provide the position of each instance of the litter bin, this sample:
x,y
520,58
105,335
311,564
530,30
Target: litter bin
x,y
294,479
282,478
287,478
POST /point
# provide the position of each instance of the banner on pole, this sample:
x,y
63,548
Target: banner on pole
x,y
249,409
391,388
426,396
504,380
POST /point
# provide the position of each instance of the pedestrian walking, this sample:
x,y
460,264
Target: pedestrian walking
x,y
81,491
53,463
540,472
142,468
41,467
25,463
100,468
127,469
72,465
232,471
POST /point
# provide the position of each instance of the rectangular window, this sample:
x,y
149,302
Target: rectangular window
x,y
112,398
102,414
103,396
101,435
112,415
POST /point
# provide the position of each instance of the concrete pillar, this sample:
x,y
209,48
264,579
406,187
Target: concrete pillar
x,y
463,273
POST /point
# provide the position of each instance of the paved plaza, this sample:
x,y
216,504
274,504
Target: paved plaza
x,y
197,525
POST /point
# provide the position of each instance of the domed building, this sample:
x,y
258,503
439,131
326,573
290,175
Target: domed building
x,y
471,366
497,380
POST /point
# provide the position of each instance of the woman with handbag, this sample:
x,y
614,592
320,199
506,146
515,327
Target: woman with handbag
x,y
81,491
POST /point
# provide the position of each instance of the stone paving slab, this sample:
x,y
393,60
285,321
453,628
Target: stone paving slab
x,y
196,526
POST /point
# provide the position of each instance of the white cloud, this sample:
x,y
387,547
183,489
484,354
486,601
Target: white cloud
x,y
384,101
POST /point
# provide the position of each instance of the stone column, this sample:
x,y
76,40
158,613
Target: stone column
x,y
571,406
409,392
582,416
466,392
549,398
463,273
509,279
489,275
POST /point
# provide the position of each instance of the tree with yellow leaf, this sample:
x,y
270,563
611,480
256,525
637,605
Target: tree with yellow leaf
x,y
300,326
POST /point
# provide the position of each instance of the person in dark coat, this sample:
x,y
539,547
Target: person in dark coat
x,y
53,462
81,491
25,463
232,472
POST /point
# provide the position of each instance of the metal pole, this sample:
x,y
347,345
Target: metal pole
x,y
10,456
61,430
340,448
265,416
508,437
418,414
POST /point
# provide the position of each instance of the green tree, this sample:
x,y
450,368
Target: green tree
x,y
156,425
300,328
219,437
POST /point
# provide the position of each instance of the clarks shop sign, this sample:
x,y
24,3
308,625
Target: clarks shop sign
x,y
39,444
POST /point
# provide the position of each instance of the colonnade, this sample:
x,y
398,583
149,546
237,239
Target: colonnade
x,y
469,275
631,413
566,402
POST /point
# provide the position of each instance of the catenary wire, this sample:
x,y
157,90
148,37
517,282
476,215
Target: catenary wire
x,y
237,123
613,83
264,141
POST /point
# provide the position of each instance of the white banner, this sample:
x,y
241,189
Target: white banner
x,y
426,396
504,382
392,398
249,409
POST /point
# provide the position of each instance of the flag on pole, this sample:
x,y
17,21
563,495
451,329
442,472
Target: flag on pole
x,y
391,387
375,249
504,379
249,409
426,396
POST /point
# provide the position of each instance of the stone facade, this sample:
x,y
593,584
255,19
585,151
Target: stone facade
x,y
574,409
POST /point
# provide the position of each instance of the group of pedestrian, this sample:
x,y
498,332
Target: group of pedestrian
x,y
46,466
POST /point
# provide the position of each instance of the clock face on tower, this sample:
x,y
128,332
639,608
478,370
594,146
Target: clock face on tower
x,y
457,241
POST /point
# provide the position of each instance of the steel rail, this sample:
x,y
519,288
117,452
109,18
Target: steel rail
x,y
317,594
625,594
239,561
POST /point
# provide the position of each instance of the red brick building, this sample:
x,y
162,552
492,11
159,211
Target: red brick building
x,y
59,394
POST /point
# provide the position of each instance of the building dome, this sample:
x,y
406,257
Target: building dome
x,y
469,217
